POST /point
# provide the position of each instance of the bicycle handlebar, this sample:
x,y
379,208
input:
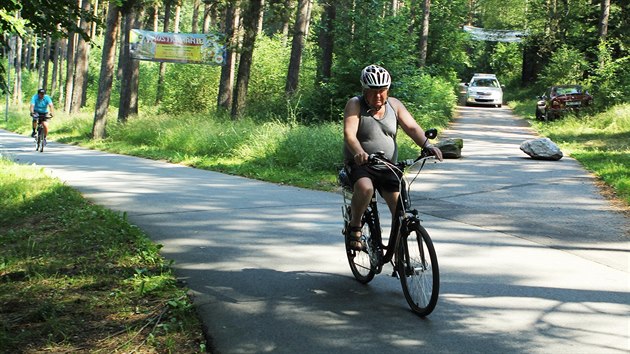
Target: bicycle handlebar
x,y
376,158
37,115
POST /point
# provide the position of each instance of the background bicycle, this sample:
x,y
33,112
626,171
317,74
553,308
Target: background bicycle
x,y
40,132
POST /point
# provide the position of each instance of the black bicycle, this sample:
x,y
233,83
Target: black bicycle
x,y
409,249
40,133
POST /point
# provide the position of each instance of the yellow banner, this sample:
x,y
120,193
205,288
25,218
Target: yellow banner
x,y
207,48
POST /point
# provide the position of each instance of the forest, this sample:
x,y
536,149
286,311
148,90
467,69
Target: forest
x,y
272,111
300,59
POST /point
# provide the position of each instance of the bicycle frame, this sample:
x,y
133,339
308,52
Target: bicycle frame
x,y
401,218
409,248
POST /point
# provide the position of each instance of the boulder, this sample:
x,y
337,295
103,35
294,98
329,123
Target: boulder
x,y
542,149
451,148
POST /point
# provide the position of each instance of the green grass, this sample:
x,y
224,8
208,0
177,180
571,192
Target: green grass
x,y
75,277
276,151
600,142
307,156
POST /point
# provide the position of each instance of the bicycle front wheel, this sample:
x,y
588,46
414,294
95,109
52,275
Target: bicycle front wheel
x,y
42,143
418,270
38,138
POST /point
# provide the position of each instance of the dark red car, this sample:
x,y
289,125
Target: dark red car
x,y
559,99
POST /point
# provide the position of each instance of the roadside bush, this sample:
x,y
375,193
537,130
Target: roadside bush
x,y
611,79
190,88
265,94
429,99
507,61
567,66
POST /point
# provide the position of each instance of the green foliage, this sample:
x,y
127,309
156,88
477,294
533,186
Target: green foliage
x,y
429,99
42,17
30,85
567,66
365,42
506,62
449,47
503,14
610,81
265,94
189,87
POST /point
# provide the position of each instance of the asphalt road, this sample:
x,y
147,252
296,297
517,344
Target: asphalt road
x,y
532,258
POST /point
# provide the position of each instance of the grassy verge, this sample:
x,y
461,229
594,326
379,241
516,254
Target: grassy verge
x,y
274,151
75,277
600,142
308,156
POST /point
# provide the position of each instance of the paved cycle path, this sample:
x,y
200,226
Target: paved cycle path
x,y
532,259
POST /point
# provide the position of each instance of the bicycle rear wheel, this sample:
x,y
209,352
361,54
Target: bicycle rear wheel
x,y
360,261
418,270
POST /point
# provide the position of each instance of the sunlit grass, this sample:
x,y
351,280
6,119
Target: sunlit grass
x,y
276,151
308,156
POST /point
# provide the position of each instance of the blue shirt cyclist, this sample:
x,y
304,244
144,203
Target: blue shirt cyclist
x,y
41,108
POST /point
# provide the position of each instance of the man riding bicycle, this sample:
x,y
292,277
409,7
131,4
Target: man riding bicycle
x,y
41,109
369,126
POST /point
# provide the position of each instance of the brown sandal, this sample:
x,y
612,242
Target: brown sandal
x,y
354,240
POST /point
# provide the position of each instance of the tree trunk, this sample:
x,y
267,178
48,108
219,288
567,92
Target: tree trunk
x,y
286,20
308,19
93,26
603,19
53,80
261,17
250,23
62,54
424,35
80,66
17,87
326,41
121,52
162,71
207,17
155,19
195,16
135,68
106,77
46,63
178,12
226,83
69,72
301,23
28,63
40,62
129,87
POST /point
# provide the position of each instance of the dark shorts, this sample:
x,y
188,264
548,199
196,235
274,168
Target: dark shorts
x,y
42,117
384,180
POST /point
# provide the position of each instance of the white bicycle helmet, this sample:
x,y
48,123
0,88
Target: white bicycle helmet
x,y
375,77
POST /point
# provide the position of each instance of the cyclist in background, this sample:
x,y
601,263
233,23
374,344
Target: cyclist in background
x,y
370,124
42,109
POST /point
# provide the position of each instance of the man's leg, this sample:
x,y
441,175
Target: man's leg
x,y
361,195
391,198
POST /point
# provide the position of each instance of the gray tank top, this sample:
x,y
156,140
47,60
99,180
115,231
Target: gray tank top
x,y
376,134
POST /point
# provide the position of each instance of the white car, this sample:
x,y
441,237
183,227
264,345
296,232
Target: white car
x,y
484,89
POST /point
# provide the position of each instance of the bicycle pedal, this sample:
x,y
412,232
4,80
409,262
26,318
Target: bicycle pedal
x,y
395,274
